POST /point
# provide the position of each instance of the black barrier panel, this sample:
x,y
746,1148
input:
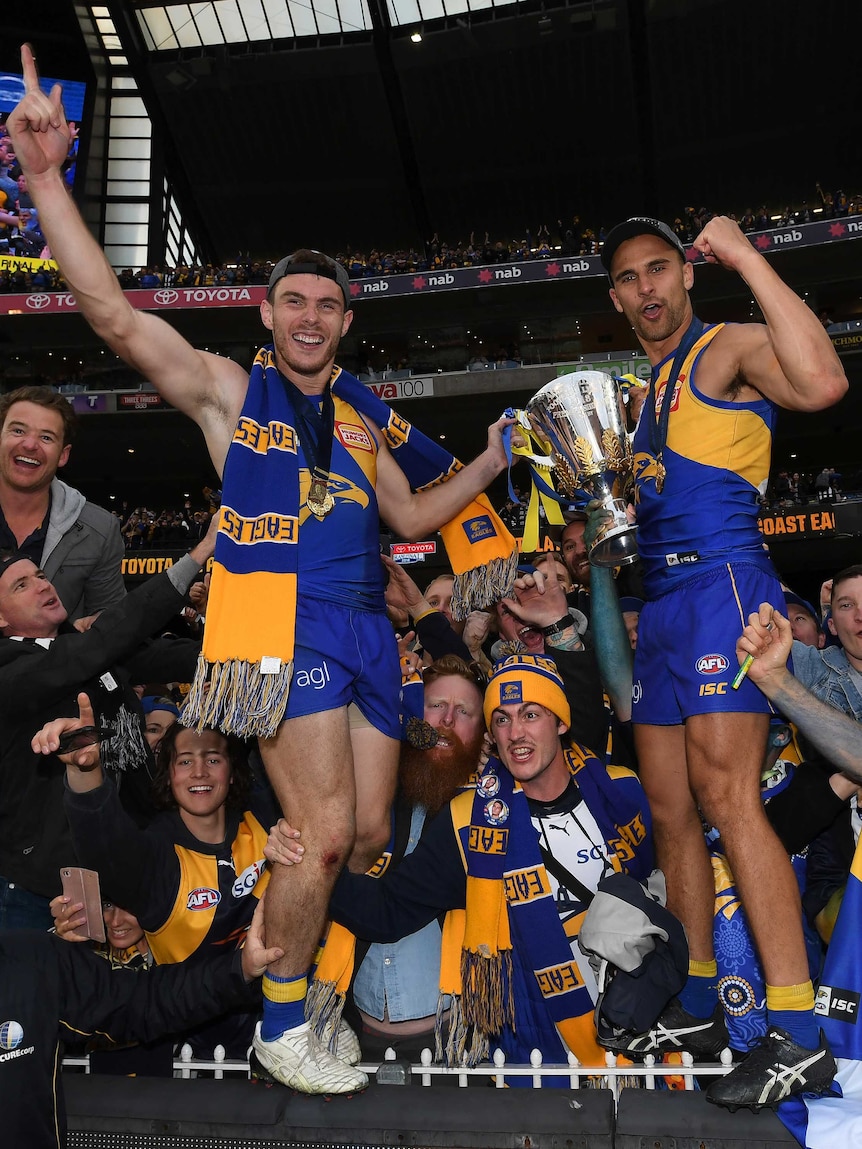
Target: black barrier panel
x,y
848,518
678,1120
140,1113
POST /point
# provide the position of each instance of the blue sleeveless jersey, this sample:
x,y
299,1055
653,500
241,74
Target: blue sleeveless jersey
x,y
339,556
717,460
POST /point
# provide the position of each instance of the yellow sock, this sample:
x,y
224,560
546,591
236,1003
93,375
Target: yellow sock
x,y
795,997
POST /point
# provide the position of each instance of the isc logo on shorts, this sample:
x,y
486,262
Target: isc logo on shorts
x,y
711,664
841,1004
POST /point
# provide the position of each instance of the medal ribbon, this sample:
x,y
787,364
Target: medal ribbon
x,y
316,429
658,427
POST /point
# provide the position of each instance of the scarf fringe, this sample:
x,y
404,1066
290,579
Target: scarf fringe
x,y
477,588
125,749
488,997
455,1052
234,697
324,1006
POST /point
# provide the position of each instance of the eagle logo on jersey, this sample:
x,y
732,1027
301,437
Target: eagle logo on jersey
x,y
644,467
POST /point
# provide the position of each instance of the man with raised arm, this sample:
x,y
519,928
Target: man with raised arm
x,y
296,627
701,460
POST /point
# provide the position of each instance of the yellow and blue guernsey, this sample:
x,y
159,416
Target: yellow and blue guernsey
x,y
192,898
339,556
716,461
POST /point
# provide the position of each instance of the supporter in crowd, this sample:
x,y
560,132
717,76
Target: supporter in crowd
x,y
833,730
631,608
125,945
50,991
832,672
430,612
544,561
706,750
574,552
75,543
8,185
817,699
605,822
44,663
803,621
159,715
210,838
395,985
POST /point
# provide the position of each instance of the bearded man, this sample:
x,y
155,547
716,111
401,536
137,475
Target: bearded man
x,y
395,988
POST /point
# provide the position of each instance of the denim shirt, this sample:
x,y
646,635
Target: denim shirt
x,y
827,674
401,979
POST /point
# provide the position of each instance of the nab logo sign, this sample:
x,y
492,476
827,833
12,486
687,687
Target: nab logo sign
x,y
711,664
203,898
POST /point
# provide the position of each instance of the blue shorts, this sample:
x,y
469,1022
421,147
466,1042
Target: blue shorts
x,y
343,656
686,658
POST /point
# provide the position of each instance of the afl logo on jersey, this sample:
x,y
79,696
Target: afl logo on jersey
x,y
711,664
203,898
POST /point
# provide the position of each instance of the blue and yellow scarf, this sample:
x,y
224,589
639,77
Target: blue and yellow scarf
x,y
243,675
507,961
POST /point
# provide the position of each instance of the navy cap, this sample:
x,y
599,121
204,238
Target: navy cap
x,y
792,599
637,225
328,268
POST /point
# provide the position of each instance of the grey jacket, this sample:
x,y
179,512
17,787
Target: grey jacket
x,y
83,553
826,673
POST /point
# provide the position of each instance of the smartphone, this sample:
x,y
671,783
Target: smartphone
x,y
78,739
83,886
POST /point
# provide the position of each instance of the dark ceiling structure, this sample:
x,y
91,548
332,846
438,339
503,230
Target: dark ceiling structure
x,y
502,118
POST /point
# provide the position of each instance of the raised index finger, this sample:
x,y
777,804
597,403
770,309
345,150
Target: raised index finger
x,y
28,67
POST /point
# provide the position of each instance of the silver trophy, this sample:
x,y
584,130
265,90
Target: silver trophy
x,y
581,418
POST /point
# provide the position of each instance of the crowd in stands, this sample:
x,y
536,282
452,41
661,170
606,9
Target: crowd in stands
x,y
567,238
142,527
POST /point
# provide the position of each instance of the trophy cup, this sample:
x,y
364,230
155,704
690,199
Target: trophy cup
x,y
581,418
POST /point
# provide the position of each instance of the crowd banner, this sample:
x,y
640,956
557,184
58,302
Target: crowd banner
x,y
26,263
556,268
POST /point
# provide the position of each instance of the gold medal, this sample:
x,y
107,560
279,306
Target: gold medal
x,y
320,502
660,473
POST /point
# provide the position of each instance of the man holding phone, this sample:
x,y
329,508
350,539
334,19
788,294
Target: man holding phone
x,y
44,664
50,990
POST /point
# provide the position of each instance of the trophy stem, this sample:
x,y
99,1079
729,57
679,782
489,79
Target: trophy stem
x,y
616,544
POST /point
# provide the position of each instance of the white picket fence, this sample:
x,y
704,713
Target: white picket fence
x,y
612,1075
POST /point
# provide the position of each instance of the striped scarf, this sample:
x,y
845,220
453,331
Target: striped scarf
x,y
243,675
507,962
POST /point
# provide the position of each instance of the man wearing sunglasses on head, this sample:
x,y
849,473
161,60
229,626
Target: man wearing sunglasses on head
x,y
44,663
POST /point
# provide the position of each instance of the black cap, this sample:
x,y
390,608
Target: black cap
x,y
637,225
9,558
327,267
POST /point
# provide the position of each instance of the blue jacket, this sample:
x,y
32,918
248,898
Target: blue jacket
x,y
826,673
